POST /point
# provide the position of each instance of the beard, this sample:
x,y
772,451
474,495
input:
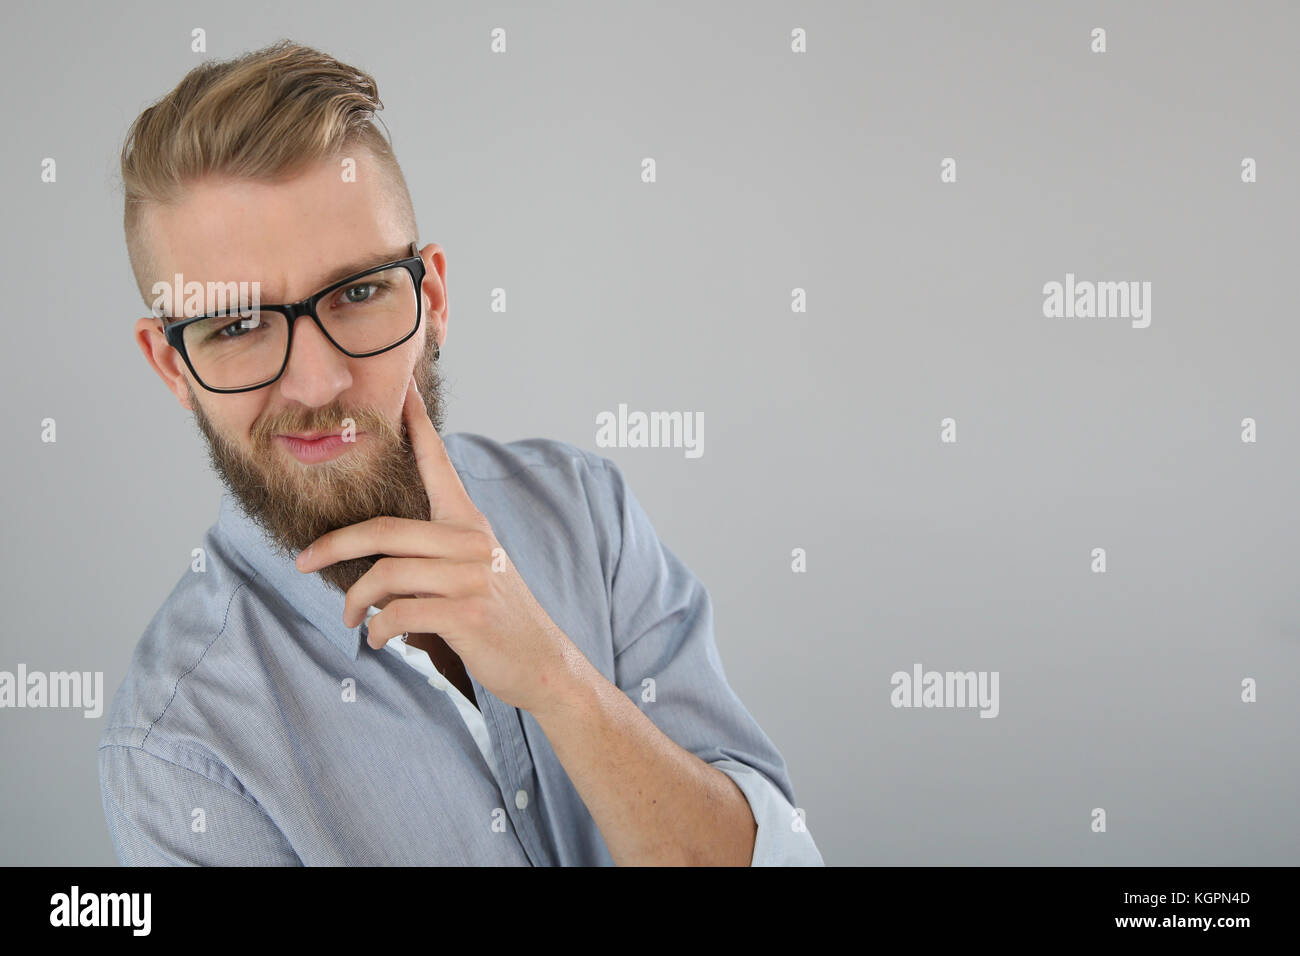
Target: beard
x,y
294,504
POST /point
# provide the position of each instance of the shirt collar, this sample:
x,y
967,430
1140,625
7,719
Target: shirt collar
x,y
308,594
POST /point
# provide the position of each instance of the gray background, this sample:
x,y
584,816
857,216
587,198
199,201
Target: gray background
x,y
776,171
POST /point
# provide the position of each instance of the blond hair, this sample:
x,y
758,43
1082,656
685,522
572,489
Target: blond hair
x,y
264,116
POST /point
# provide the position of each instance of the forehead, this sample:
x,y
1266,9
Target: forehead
x,y
291,236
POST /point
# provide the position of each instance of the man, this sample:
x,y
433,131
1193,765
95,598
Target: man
x,y
539,682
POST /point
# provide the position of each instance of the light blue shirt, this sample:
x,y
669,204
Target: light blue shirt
x,y
254,728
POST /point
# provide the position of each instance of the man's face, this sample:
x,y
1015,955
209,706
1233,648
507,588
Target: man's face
x,y
293,238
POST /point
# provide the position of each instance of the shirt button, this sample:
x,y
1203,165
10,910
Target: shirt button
x,y
521,798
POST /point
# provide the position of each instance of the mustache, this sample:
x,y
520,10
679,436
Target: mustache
x,y
364,419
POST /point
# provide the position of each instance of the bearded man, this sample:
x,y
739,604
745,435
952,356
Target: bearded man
x,y
403,648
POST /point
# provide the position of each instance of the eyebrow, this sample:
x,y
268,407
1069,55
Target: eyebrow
x,y
363,265
335,275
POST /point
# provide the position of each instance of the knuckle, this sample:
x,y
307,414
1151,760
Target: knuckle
x,y
482,543
397,617
474,612
480,576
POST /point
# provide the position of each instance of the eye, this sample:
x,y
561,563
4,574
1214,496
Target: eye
x,y
360,293
370,291
238,328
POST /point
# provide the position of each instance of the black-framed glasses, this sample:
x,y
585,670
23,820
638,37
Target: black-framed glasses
x,y
240,349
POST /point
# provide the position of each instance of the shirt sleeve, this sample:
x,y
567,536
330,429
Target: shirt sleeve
x,y
150,803
666,660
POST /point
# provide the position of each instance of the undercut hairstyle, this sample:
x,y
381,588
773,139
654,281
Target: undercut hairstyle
x,y
264,116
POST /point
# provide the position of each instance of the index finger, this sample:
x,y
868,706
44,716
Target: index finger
x,y
447,496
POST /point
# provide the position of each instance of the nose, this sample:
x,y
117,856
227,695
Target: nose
x,y
317,372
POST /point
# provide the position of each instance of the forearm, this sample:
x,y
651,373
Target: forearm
x,y
655,803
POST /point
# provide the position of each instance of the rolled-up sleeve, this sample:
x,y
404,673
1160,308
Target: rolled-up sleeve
x,y
666,660
782,838
150,806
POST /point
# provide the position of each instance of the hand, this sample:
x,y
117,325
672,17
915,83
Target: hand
x,y
450,576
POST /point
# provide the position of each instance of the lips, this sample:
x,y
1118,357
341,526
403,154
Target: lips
x,y
321,446
312,436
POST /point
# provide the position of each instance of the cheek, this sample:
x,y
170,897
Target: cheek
x,y
237,417
398,373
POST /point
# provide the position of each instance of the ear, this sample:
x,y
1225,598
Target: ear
x,y
166,361
434,290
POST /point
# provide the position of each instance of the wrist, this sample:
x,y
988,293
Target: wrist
x,y
568,685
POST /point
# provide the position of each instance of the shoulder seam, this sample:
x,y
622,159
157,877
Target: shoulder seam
x,y
225,620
